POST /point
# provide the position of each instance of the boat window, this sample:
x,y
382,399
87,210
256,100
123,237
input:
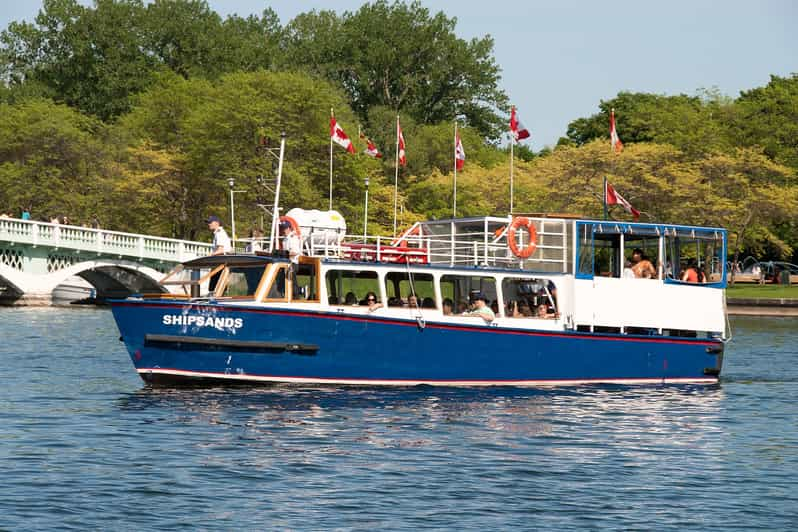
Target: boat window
x,y
607,255
349,287
307,281
585,259
524,297
401,287
243,281
634,263
277,289
693,255
461,289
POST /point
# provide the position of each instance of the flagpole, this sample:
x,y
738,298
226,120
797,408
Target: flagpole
x,y
454,193
606,216
331,160
512,143
396,177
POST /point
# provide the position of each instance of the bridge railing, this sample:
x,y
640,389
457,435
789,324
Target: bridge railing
x,y
100,241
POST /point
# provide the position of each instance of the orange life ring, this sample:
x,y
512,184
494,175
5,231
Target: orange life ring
x,y
530,248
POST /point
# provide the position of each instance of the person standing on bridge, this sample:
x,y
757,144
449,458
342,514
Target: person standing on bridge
x,y
221,242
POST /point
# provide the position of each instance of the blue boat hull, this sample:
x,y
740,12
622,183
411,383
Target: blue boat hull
x,y
175,342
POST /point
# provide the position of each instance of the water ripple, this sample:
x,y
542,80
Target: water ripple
x,y
85,445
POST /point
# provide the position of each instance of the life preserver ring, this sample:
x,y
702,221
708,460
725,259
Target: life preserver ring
x,y
530,248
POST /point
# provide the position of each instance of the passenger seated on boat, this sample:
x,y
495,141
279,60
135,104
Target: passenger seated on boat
x,y
692,274
481,309
642,267
494,306
371,301
448,307
519,309
394,302
427,302
463,307
412,301
350,299
543,312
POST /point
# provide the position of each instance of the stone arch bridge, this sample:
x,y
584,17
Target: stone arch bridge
x,y
43,263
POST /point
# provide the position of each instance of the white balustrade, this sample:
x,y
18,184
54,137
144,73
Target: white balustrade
x,y
99,241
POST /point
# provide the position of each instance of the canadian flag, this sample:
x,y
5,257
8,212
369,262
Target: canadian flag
x,y
400,139
517,129
613,198
338,136
459,153
615,141
371,150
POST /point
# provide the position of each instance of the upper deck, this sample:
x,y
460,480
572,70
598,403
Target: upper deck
x,y
585,248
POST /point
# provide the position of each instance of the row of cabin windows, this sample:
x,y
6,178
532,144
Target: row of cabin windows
x,y
350,287
609,255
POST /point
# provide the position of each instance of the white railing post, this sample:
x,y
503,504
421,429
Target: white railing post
x,y
141,247
34,230
99,242
181,251
379,248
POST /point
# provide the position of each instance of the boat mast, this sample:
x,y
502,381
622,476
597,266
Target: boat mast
x,y
276,210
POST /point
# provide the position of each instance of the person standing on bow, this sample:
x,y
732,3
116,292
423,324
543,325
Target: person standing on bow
x,y
293,246
221,242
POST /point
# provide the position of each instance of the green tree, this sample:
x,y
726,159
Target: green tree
x,y
768,117
402,57
51,160
694,124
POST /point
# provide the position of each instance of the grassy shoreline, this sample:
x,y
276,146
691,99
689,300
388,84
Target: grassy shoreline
x,y
770,291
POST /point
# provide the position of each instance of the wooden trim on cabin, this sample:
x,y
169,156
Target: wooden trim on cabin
x,y
288,285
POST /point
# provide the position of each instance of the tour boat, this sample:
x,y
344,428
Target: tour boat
x,y
569,307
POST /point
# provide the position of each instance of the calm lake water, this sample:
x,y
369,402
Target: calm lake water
x,y
85,445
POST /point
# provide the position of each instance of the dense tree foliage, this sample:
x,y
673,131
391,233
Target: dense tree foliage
x,y
137,113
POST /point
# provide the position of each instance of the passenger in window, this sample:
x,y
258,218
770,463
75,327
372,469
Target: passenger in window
x,y
481,309
524,309
412,301
642,267
463,306
692,274
350,299
448,307
628,273
543,312
371,301
494,306
428,302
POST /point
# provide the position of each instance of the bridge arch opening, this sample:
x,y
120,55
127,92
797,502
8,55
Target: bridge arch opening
x,y
100,283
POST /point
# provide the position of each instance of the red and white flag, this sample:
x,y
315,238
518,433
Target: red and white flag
x,y
371,148
459,153
517,129
400,139
613,198
338,136
615,141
